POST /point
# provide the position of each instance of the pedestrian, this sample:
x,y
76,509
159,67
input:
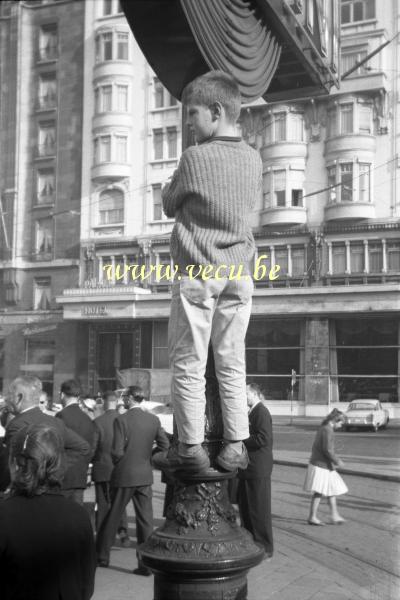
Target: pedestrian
x,y
254,483
46,541
211,196
134,434
23,403
103,465
322,478
75,481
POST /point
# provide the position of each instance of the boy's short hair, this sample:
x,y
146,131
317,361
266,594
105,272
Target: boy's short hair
x,y
215,86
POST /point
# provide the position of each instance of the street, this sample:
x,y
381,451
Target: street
x,y
363,552
357,560
300,436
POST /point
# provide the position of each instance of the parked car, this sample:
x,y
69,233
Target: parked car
x,y
365,413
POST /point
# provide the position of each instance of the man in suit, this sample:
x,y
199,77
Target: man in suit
x,y
134,434
23,402
254,487
103,466
75,480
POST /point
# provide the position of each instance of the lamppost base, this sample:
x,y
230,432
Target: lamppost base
x,y
200,552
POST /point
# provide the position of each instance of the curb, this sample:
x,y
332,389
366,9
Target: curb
x,y
380,476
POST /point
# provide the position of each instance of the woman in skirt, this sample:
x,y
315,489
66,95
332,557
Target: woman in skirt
x,y
322,479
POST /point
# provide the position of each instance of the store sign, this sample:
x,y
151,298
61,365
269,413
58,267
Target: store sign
x,y
94,311
34,330
82,311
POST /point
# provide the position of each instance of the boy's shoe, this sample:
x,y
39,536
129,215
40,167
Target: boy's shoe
x,y
193,459
233,456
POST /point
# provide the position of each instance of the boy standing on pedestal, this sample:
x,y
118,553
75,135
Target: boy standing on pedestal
x,y
211,196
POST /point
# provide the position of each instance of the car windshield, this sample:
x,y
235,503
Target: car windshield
x,y
362,406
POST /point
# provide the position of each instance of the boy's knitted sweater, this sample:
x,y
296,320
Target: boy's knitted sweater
x,y
211,196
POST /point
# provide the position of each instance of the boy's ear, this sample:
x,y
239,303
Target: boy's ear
x,y
216,110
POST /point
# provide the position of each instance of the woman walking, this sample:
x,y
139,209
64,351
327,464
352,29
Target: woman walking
x,y
322,479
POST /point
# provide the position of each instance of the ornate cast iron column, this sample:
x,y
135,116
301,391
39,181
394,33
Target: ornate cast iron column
x,y
200,552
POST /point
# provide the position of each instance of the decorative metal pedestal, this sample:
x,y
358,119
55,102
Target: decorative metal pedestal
x,y
201,553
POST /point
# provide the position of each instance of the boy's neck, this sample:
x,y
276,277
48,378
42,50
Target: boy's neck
x,y
226,130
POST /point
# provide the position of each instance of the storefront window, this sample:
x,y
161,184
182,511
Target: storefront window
x,y
364,359
160,346
273,349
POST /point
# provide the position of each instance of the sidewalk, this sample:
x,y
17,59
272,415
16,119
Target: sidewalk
x,y
290,575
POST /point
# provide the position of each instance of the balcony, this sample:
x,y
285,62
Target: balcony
x,y
283,150
362,144
346,211
110,170
284,215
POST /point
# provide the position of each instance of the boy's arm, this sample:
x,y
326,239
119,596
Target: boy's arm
x,y
172,193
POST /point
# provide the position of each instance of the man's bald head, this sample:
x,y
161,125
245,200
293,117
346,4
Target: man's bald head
x,y
24,393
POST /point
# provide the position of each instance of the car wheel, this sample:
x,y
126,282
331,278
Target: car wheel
x,y
385,424
375,427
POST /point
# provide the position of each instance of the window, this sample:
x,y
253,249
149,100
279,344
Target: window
x,y
365,118
40,353
44,236
346,181
357,10
157,203
332,122
375,257
349,59
121,142
281,259
158,93
105,98
103,149
47,138
331,183
47,90
296,127
160,345
112,45
279,187
298,261
364,358
122,45
338,258
122,98
158,141
356,257
280,126
267,189
107,7
346,118
393,256
46,186
295,183
42,293
111,207
48,42
172,142
273,349
364,182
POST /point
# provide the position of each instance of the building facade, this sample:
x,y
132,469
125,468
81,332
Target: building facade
x,y
41,109
327,329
